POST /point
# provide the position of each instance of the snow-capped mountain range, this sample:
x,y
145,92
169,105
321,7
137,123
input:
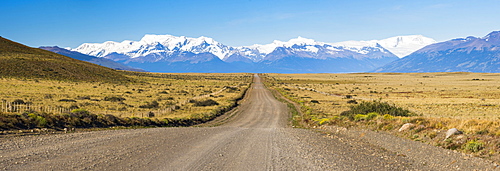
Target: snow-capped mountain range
x,y
168,44
470,54
161,45
400,46
171,50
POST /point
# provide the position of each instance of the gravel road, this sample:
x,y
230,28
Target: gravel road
x,y
256,137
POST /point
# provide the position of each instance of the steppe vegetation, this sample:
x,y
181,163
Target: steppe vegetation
x,y
153,97
431,102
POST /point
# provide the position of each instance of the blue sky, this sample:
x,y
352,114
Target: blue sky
x,y
69,23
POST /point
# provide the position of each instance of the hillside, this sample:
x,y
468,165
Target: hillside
x,y
21,61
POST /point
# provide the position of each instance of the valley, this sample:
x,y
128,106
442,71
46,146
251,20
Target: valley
x,y
257,137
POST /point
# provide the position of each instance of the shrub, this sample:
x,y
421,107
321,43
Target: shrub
x,y
74,106
153,104
314,101
208,102
151,114
371,115
367,117
323,121
388,117
482,132
38,120
67,100
375,106
432,135
352,102
19,101
114,99
473,146
359,117
83,98
41,121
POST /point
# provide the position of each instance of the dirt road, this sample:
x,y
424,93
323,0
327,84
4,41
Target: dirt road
x,y
255,138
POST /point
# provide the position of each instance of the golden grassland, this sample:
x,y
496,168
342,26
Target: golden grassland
x,y
166,95
443,95
469,102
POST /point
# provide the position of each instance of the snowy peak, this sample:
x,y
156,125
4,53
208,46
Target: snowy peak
x,y
155,45
154,48
301,42
493,37
268,48
402,46
470,54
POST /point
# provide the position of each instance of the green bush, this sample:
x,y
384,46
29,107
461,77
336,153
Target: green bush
x,y
36,120
323,121
359,117
79,111
388,117
377,107
367,117
371,115
473,146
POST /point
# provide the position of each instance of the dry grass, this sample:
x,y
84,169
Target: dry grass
x,y
168,90
469,102
447,95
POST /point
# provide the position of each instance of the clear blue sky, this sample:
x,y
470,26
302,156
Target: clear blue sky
x,y
69,23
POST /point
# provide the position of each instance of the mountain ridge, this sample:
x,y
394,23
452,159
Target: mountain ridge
x,y
169,50
470,54
167,44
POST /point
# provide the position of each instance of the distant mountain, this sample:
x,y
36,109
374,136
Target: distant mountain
x,y
21,61
471,54
400,46
92,59
166,53
303,55
154,48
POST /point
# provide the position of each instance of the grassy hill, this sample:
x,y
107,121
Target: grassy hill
x,y
17,60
